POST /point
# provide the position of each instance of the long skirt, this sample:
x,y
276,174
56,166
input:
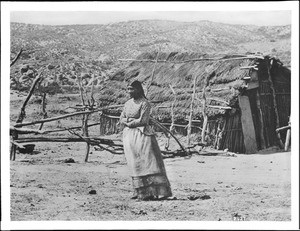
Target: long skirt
x,y
145,164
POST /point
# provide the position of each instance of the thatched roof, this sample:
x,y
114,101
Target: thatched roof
x,y
223,73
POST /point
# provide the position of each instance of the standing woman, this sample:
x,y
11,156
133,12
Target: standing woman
x,y
141,149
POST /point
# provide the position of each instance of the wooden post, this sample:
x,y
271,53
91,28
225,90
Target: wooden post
x,y
205,117
247,125
22,115
152,75
274,103
260,115
217,135
189,129
172,109
288,137
85,133
43,109
172,117
84,119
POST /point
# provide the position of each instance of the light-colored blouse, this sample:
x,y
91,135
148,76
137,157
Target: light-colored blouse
x,y
140,111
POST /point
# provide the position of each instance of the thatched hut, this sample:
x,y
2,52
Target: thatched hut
x,y
246,96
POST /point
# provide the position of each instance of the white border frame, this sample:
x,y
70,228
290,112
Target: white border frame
x,y
7,7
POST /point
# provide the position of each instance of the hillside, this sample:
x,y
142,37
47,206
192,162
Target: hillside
x,y
127,39
100,46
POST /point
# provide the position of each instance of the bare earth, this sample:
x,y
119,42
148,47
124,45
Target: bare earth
x,y
205,187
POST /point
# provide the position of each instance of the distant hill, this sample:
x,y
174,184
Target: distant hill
x,y
93,50
128,39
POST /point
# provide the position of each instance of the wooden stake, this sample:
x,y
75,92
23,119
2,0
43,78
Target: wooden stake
x,y
172,109
152,75
43,109
22,114
274,103
205,118
189,129
85,132
172,117
260,115
288,137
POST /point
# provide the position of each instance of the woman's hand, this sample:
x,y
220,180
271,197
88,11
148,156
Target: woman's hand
x,y
130,119
126,121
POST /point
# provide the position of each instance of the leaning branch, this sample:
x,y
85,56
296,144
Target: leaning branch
x,y
167,131
35,82
66,116
36,131
16,58
194,60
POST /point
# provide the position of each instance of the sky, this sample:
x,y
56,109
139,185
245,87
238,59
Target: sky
x,y
64,13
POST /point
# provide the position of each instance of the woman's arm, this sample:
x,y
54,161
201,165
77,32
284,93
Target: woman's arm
x,y
144,116
123,118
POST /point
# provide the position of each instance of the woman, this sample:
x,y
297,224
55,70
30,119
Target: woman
x,y
141,149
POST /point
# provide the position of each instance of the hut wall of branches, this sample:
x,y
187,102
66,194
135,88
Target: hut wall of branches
x,y
240,89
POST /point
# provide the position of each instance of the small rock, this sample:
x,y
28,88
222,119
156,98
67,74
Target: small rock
x,y
205,197
92,191
69,160
193,197
201,162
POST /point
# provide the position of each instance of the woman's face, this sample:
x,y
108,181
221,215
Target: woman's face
x,y
133,92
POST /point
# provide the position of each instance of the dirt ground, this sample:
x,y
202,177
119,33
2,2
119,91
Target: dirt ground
x,y
208,187
205,188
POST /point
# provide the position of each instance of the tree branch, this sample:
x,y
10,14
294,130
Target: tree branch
x,y
16,58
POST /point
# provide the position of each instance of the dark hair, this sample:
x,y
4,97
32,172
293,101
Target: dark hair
x,y
138,85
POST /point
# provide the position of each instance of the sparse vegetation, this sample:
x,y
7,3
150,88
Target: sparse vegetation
x,y
62,48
